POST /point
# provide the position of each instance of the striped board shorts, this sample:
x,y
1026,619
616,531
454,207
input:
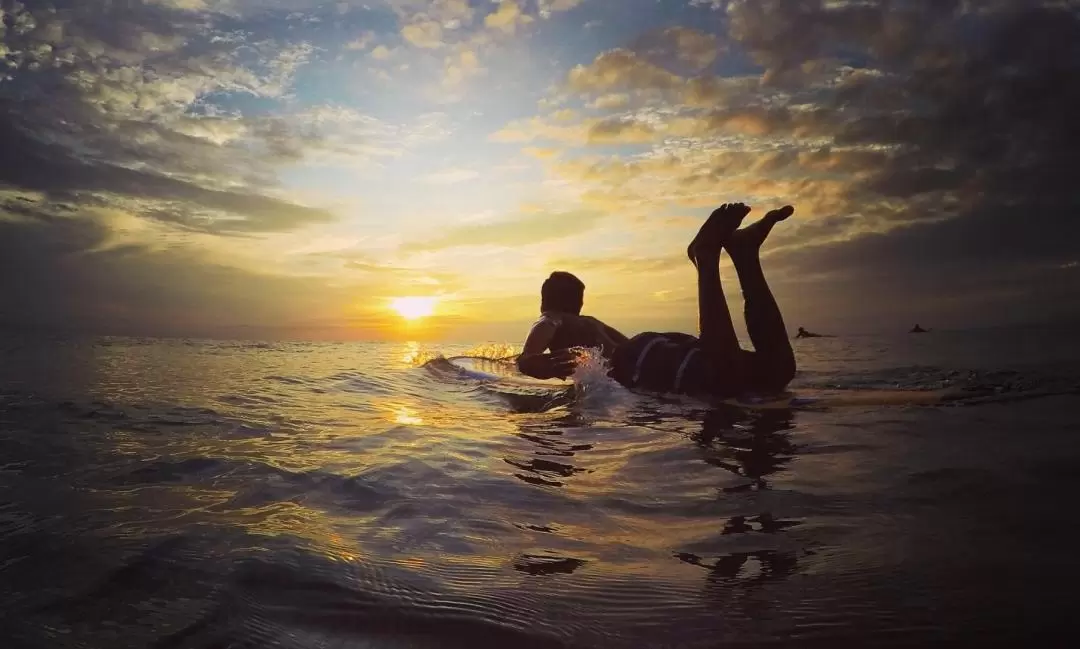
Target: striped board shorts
x,y
671,363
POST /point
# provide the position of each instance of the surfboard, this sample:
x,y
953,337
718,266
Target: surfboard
x,y
505,372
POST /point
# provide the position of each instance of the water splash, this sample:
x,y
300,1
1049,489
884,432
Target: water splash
x,y
594,387
494,351
416,356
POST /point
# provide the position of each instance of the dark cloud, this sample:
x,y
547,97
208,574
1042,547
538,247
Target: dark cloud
x,y
127,107
61,272
964,113
115,98
934,143
677,47
30,164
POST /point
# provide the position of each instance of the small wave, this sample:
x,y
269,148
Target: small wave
x,y
257,483
246,399
362,383
960,386
288,380
547,564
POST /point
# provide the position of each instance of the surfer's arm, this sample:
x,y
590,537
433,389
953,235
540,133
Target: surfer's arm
x,y
533,360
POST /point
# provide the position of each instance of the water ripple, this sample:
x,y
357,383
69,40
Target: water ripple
x,y
197,495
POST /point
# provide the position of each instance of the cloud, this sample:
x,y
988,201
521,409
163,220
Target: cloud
x,y
526,230
620,70
541,152
674,45
507,17
620,131
135,193
622,265
130,89
912,136
534,128
426,34
451,14
451,176
547,8
613,101
461,66
647,125
361,42
866,146
56,272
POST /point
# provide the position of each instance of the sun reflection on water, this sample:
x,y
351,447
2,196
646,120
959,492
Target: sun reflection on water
x,y
406,416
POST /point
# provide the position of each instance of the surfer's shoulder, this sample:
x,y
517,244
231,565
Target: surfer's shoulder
x,y
549,319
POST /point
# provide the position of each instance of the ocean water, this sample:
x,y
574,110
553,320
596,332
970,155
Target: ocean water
x,y
200,494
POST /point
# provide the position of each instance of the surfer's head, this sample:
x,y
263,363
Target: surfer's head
x,y
562,292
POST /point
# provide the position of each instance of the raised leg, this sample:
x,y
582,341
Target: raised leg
x,y
773,362
716,330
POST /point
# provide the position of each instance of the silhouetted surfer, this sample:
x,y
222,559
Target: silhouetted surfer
x,y
713,364
803,333
918,330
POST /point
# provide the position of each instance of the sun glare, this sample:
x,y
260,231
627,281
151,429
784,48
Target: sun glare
x,y
412,308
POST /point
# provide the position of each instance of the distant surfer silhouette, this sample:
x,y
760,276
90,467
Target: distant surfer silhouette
x,y
803,333
713,364
918,330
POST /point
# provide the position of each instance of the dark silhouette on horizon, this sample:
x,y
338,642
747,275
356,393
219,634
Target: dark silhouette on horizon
x,y
918,330
803,333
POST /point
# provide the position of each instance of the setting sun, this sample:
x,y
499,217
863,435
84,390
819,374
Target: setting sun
x,y
412,308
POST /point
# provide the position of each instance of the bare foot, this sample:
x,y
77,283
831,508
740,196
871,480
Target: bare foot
x,y
716,231
750,238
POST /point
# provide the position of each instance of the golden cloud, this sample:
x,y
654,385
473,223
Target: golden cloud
x,y
613,101
507,17
620,131
426,34
620,70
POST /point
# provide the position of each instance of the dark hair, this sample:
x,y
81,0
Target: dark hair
x,y
562,292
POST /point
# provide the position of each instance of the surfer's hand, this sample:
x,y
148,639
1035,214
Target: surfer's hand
x,y
559,364
563,363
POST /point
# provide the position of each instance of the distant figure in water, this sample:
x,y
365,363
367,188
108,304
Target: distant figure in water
x,y
803,333
711,365
918,330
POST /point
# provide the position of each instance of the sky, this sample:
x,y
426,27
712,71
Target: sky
x,y
287,169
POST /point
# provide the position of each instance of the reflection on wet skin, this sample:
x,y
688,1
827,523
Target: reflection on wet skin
x,y
752,444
